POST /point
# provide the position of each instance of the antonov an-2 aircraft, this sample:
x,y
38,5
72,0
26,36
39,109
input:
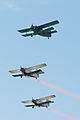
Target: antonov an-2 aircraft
x,y
30,72
43,30
41,102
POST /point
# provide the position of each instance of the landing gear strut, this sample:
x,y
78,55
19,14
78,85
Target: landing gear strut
x,y
31,35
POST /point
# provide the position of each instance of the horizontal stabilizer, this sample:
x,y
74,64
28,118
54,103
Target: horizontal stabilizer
x,y
47,30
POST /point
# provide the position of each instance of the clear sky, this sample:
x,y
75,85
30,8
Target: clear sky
x,y
61,53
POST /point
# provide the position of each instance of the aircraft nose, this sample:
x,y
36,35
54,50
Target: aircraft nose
x,y
23,70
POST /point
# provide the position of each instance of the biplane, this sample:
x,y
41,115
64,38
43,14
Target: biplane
x,y
43,30
31,71
41,102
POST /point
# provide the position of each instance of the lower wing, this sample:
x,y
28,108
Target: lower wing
x,y
25,35
30,34
29,105
53,31
36,71
18,75
47,102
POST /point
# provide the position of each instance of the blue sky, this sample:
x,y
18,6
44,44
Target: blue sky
x,y
61,53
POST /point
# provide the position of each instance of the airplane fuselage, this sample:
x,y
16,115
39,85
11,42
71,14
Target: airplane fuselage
x,y
32,73
44,30
39,103
39,31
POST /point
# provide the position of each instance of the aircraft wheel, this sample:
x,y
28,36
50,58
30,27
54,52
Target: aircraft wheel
x,y
21,76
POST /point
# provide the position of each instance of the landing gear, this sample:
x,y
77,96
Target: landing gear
x,y
32,106
31,35
21,76
48,37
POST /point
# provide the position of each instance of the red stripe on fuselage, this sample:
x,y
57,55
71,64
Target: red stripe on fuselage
x,y
34,101
23,70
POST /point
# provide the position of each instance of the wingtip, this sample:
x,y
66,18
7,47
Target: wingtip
x,y
13,75
25,105
22,101
18,30
10,71
24,35
52,101
45,64
54,95
57,21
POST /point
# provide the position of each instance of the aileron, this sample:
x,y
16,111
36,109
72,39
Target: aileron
x,y
49,24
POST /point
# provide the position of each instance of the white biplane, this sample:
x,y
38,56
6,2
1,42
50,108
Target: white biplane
x,y
31,71
41,102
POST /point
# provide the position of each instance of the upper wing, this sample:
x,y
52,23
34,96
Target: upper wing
x,y
14,71
25,30
46,30
49,24
27,101
48,97
37,66
29,105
